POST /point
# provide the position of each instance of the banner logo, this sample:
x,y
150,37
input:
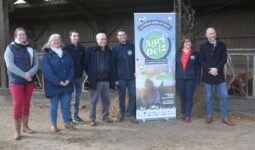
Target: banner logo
x,y
155,44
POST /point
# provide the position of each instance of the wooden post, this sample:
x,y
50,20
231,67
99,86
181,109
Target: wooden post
x,y
247,74
4,38
253,83
177,10
179,23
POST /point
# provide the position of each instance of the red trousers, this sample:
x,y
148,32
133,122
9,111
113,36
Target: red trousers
x,y
21,95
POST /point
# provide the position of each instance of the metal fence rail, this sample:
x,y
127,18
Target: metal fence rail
x,y
241,63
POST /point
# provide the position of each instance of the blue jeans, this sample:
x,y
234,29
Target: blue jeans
x,y
130,84
186,88
77,95
222,92
64,100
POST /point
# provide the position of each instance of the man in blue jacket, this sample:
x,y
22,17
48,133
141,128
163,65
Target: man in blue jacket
x,y
77,52
213,57
124,61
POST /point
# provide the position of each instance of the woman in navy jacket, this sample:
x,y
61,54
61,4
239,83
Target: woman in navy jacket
x,y
58,72
187,75
22,64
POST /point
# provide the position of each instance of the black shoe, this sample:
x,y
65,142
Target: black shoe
x,y
78,120
72,122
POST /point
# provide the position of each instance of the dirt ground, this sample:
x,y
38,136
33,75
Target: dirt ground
x,y
151,135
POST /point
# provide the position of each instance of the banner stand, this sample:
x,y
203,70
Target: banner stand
x,y
155,47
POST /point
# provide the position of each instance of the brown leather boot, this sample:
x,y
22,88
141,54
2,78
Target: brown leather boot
x,y
108,120
54,128
93,123
17,127
227,122
133,120
120,118
209,120
26,129
68,126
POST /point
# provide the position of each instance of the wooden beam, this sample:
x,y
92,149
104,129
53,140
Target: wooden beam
x,y
34,1
44,15
116,26
35,40
218,8
95,21
63,13
136,8
4,38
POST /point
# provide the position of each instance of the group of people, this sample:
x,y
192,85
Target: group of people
x,y
63,69
212,57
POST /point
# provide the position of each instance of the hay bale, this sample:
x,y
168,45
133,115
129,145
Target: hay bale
x,y
114,104
199,107
114,108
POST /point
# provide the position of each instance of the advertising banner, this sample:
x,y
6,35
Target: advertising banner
x,y
155,48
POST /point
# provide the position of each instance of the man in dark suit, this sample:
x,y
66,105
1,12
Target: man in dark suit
x,y
213,57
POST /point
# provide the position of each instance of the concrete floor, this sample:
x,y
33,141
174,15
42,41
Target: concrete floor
x,y
152,135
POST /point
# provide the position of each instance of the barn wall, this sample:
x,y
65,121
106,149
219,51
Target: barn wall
x,y
39,33
234,27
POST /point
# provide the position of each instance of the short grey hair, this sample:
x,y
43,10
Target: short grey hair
x,y
99,35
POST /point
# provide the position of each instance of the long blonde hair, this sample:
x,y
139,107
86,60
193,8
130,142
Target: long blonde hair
x,y
47,45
